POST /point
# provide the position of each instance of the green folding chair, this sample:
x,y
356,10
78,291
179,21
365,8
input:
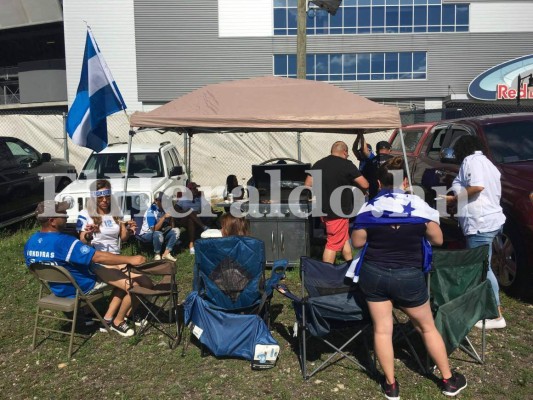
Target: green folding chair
x,y
461,295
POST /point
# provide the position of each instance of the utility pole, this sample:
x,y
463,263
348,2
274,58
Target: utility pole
x,y
301,40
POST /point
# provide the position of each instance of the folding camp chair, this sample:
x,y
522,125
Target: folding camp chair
x,y
332,305
460,296
229,273
160,301
47,274
229,308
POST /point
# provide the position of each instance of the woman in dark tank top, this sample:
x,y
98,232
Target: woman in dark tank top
x,y
391,230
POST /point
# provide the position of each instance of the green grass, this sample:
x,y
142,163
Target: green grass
x,y
109,366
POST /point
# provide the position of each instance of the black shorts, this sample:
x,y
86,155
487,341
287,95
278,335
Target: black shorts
x,y
405,287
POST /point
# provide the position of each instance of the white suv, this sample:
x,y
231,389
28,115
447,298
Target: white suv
x,y
153,168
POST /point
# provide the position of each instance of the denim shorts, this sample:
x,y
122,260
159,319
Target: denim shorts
x,y
405,287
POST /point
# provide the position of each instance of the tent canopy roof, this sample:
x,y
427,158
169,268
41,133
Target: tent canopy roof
x,y
270,104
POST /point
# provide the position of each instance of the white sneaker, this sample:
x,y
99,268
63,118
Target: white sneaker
x,y
497,323
191,250
169,257
157,257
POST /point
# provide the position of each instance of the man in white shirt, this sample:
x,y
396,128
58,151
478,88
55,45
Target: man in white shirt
x,y
481,217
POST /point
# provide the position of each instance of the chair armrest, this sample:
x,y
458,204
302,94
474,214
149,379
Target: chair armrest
x,y
284,290
278,273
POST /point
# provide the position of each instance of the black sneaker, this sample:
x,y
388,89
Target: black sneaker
x,y
123,329
392,392
451,387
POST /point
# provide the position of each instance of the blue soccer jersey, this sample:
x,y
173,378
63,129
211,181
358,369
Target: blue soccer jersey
x,y
64,250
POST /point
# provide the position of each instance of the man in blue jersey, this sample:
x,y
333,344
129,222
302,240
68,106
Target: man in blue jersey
x,y
51,246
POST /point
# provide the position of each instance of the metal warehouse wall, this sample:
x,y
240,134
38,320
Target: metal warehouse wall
x,y
179,50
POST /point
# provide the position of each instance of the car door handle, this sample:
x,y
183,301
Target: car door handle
x,y
282,243
273,242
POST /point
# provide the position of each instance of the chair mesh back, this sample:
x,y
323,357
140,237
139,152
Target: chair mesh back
x,y
229,272
455,271
321,279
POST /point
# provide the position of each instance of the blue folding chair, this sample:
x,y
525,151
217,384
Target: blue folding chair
x,y
231,292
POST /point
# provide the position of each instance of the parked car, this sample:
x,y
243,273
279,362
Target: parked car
x,y
153,168
509,142
23,171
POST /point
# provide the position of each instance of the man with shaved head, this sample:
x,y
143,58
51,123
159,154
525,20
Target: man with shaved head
x,y
335,188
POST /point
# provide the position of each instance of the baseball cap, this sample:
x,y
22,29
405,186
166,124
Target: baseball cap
x,y
192,185
383,145
50,208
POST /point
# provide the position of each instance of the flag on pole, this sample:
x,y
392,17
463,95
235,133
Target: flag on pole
x,y
97,97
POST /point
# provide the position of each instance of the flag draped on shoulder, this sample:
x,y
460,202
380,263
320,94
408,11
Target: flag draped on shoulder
x,y
97,97
391,207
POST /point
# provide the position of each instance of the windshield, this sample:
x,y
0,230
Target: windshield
x,y
510,141
411,138
113,165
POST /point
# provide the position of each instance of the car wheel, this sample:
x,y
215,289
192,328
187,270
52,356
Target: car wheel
x,y
63,183
508,261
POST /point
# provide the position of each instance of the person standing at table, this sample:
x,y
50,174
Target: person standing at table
x,y
337,171
481,217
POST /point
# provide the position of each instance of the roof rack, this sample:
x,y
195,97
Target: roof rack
x,y
116,143
164,143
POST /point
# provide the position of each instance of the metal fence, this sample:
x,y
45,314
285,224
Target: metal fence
x,y
215,156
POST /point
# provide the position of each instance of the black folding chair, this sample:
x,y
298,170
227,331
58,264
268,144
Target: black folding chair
x,y
160,301
330,306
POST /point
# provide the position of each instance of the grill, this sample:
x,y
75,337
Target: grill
x,y
279,219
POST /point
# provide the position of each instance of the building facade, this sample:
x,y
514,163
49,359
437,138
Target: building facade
x,y
414,53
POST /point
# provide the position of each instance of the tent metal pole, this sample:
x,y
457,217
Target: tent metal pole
x,y
299,143
189,155
125,191
186,153
406,161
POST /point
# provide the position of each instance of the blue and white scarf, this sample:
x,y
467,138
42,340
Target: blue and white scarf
x,y
393,207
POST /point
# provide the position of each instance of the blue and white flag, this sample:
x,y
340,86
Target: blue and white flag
x,y
97,97
391,207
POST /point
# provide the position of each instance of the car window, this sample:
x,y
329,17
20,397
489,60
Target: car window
x,y
435,145
146,163
175,156
456,135
510,141
7,160
411,138
23,153
111,165
169,162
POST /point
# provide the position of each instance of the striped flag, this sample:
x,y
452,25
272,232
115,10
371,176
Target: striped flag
x,y
97,97
393,208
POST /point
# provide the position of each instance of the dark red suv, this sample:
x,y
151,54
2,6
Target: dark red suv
x,y
509,140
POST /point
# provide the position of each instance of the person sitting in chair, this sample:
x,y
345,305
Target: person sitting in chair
x,y
99,226
158,228
51,246
230,226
